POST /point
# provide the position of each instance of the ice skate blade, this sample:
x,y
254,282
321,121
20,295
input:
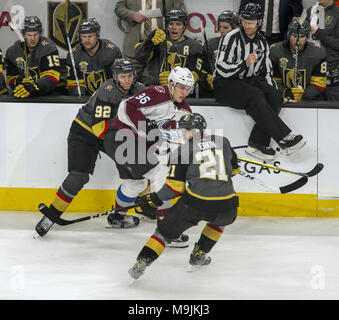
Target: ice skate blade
x,y
297,147
36,236
255,153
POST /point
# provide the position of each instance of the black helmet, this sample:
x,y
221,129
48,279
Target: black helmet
x,y
90,25
123,65
193,121
296,27
32,23
252,11
229,16
177,15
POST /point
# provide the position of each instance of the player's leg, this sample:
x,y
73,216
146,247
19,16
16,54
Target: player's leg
x,y
212,232
157,177
126,195
178,219
81,162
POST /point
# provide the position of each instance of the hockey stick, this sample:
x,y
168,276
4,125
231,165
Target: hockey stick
x,y
22,39
284,189
62,222
65,34
206,46
164,13
318,167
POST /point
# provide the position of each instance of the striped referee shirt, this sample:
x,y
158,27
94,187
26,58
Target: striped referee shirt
x,y
234,48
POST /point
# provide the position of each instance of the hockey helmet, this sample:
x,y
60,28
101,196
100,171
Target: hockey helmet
x,y
90,25
230,17
194,121
123,65
177,15
181,75
252,11
295,27
32,23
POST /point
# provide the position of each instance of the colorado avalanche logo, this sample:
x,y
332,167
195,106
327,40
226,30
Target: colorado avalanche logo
x,y
159,89
168,129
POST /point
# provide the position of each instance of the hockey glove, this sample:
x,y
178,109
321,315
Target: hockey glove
x,y
294,93
148,204
150,125
209,79
163,77
157,36
27,88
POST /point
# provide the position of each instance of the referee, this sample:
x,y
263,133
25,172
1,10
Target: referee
x,y
243,80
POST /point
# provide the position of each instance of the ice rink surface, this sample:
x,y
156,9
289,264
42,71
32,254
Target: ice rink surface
x,y
261,258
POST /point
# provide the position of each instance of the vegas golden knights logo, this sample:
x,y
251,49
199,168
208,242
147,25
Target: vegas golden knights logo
x,y
94,80
288,78
64,20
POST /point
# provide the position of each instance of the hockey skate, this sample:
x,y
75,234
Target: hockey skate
x,y
44,224
138,269
119,221
181,242
260,152
198,258
292,143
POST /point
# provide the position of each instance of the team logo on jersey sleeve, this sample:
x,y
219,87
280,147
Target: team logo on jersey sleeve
x,y
64,18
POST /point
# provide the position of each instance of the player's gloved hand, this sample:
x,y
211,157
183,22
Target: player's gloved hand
x,y
157,36
27,88
148,203
294,93
150,125
163,77
209,79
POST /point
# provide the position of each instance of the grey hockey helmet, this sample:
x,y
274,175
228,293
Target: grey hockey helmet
x,y
32,23
297,28
194,121
232,17
89,25
123,65
177,15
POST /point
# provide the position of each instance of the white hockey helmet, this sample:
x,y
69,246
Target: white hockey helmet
x,y
181,75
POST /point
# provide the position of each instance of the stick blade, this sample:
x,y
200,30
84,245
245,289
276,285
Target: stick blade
x,y
294,186
318,167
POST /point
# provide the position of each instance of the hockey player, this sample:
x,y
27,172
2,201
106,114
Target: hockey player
x,y
324,20
164,52
201,173
227,21
3,88
93,58
243,80
139,120
311,64
33,66
85,139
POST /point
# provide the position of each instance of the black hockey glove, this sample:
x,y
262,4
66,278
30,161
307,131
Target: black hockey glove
x,y
27,88
150,125
148,204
